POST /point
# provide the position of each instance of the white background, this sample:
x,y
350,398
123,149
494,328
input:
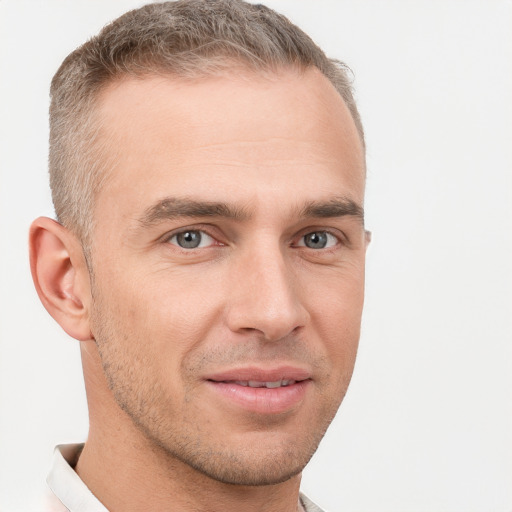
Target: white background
x,y
427,423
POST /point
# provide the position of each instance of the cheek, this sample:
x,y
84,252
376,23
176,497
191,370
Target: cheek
x,y
164,314
336,296
339,332
335,311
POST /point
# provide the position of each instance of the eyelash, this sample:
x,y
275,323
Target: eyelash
x,y
338,238
203,232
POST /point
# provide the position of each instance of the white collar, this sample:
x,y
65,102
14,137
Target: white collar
x,y
67,485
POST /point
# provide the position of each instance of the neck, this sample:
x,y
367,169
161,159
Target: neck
x,y
127,472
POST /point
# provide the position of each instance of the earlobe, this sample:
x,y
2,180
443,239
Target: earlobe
x,y
60,276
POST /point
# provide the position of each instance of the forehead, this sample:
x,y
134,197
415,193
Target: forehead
x,y
248,129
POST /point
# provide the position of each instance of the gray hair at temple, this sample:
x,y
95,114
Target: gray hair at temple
x,y
188,39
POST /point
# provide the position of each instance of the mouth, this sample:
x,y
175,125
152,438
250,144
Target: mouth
x,y
261,391
261,384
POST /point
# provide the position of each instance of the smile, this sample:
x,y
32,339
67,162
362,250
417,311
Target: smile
x,y
261,391
270,385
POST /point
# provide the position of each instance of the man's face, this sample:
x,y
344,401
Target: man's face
x,y
228,267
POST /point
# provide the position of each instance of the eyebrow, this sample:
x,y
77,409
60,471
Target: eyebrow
x,y
336,207
171,208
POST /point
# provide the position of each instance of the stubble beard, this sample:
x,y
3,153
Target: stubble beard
x,y
143,398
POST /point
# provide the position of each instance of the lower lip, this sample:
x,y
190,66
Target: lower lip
x,y
262,400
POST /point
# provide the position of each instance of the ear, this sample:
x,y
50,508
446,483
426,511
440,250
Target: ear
x,y
368,238
61,276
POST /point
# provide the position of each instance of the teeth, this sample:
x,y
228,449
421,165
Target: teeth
x,y
256,384
261,384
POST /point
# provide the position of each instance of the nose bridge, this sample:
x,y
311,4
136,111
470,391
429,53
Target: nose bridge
x,y
266,297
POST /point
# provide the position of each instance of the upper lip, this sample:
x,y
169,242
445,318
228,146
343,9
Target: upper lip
x,y
258,373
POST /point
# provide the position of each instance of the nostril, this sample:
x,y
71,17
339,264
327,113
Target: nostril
x,y
264,299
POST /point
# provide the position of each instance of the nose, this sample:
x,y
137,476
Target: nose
x,y
265,297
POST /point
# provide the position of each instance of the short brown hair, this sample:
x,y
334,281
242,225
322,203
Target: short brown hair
x,y
186,38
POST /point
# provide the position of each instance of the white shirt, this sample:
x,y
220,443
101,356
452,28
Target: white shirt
x,y
70,494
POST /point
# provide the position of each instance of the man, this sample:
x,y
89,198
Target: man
x,y
207,170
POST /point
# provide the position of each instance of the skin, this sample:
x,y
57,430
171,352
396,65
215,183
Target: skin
x,y
156,320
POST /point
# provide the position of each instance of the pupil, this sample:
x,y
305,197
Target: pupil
x,y
316,240
189,239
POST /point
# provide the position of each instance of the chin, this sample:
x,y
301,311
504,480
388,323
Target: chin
x,y
233,471
264,460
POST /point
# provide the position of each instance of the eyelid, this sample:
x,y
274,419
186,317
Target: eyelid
x,y
302,243
336,233
213,232
204,229
205,241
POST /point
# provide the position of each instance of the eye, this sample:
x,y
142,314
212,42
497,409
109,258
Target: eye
x,y
192,239
318,240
